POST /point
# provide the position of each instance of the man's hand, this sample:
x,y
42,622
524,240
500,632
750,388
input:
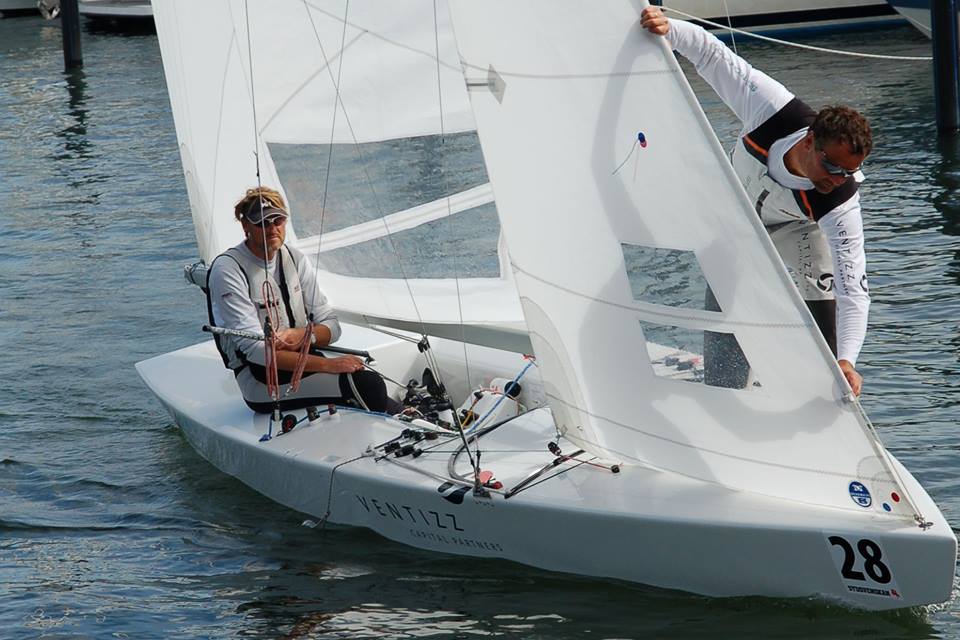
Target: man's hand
x,y
343,364
854,379
290,339
653,20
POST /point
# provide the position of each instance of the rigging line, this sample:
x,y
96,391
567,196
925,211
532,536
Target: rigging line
x,y
333,128
363,164
326,515
475,437
452,451
382,38
339,102
474,460
529,481
729,487
733,39
256,137
636,73
446,189
356,394
680,443
884,456
671,313
625,456
296,92
435,476
392,334
268,294
787,43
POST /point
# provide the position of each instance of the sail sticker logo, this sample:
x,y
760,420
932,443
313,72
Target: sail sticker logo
x,y
860,494
455,496
825,282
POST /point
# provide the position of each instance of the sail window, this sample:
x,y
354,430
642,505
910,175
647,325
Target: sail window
x,y
710,358
670,277
374,179
463,245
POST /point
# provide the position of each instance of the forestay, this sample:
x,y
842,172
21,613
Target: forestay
x,y
620,211
397,137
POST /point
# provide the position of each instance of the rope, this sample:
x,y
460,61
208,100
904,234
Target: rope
x,y
333,472
304,351
733,39
787,43
356,393
333,126
363,163
269,296
270,340
443,159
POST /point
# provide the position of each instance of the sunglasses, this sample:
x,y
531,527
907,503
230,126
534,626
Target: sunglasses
x,y
833,169
272,221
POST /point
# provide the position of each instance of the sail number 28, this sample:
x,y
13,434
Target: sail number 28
x,y
867,550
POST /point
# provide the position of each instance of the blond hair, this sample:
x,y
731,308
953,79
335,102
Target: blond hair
x,y
270,197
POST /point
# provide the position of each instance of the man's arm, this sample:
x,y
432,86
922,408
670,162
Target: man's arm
x,y
326,326
752,95
232,307
287,361
843,228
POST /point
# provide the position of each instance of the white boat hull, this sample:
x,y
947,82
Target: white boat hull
x,y
639,525
18,5
116,9
917,12
774,15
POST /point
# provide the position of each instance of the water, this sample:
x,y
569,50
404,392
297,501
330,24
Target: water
x,y
110,524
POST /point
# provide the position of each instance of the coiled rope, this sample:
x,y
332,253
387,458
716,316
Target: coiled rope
x,y
787,43
272,343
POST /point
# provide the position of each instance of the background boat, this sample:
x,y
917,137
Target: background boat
x,y
773,16
116,9
917,13
17,7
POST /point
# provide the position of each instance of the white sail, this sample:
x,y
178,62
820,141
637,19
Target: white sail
x,y
606,172
402,107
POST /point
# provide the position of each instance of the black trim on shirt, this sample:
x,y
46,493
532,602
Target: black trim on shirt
x,y
796,115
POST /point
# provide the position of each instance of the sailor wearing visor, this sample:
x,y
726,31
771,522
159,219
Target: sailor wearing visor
x,y
235,301
801,170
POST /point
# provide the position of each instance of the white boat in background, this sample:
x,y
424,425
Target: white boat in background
x,y
16,7
917,12
619,457
790,16
116,9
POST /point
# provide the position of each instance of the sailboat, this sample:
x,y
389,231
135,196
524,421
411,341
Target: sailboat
x,y
527,200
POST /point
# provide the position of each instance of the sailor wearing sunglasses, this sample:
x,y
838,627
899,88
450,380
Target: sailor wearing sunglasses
x,y
801,170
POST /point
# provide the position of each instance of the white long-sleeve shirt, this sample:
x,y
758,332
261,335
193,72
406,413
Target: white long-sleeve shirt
x,y
754,97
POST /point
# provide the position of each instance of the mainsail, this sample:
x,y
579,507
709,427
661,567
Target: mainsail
x,y
606,172
348,98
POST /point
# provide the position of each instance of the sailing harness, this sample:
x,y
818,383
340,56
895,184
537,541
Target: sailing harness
x,y
261,290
